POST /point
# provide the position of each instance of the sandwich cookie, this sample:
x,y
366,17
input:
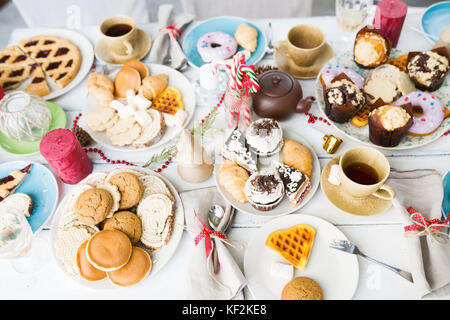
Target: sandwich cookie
x,y
86,270
136,270
109,250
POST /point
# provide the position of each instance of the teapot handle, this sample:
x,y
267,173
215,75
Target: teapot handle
x,y
304,105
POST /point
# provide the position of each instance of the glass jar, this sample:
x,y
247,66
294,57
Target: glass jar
x,y
24,116
237,108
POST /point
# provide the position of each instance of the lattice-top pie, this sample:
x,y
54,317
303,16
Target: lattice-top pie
x,y
15,67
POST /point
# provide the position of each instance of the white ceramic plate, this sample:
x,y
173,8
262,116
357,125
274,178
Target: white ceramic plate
x,y
266,163
362,134
78,39
176,80
159,257
336,272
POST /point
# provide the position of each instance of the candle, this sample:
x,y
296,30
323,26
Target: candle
x,y
2,93
389,18
65,155
208,79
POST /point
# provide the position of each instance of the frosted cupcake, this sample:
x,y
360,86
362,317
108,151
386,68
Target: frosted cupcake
x,y
265,137
264,190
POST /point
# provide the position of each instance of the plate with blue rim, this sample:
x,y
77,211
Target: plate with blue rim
x,y
41,186
224,24
435,19
446,200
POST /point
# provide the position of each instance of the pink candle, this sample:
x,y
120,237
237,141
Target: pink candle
x,y
2,94
389,18
65,155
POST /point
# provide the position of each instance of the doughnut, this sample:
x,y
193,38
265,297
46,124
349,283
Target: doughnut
x,y
216,45
331,71
433,112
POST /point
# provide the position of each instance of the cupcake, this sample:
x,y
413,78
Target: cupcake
x,y
388,124
342,99
264,190
370,49
265,137
428,69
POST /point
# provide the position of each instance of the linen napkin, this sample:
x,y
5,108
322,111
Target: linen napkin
x,y
166,46
430,261
230,281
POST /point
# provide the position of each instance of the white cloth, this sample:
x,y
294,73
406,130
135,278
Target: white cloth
x,y
199,283
166,43
80,13
430,261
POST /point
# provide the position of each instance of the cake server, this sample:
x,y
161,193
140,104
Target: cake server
x,y
347,246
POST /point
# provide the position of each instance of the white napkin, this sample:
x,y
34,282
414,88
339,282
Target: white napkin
x,y
166,43
200,285
430,261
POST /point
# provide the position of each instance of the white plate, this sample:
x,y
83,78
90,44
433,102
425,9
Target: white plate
x,y
176,80
336,272
86,52
266,163
159,257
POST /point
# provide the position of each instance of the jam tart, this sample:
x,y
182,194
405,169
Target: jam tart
x,y
15,67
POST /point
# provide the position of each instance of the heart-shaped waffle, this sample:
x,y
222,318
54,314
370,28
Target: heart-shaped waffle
x,y
399,62
293,244
169,101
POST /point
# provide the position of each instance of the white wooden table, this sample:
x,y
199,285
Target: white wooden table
x,y
379,236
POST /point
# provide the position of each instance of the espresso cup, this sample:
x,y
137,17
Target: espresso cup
x,y
305,44
120,44
376,161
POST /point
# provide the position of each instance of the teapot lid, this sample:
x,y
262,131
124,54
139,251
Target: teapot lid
x,y
276,83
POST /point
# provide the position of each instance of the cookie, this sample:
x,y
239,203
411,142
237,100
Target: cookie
x,y
302,288
101,118
130,188
127,222
115,193
93,205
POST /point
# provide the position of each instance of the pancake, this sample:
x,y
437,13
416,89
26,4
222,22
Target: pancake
x,y
134,271
85,269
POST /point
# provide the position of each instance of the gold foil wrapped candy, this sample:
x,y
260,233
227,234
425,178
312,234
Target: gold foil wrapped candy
x,y
331,144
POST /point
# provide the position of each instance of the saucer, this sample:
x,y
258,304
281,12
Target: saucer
x,y
343,201
286,64
141,48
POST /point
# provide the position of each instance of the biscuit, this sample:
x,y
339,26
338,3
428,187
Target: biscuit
x,y
127,137
93,205
302,288
101,118
130,188
115,193
127,222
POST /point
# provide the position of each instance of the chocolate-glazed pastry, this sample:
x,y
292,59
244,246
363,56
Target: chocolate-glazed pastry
x,y
296,184
428,69
370,48
236,149
388,124
280,96
342,99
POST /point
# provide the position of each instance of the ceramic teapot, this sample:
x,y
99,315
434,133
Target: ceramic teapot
x,y
280,96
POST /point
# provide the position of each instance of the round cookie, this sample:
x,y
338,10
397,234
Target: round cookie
x,y
130,188
137,268
85,269
127,222
109,250
302,288
93,205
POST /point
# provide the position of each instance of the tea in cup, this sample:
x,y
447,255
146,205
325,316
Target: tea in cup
x,y
119,33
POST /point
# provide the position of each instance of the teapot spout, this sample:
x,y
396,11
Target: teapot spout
x,y
304,104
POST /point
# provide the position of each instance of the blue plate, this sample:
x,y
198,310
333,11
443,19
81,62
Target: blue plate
x,y
446,201
436,18
220,24
41,186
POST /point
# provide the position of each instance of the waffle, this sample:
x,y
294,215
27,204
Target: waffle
x,y
361,118
15,67
60,58
293,244
399,62
169,101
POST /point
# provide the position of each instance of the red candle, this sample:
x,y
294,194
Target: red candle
x,y
64,153
389,18
2,93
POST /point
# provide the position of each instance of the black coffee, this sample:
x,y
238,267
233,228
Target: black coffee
x,y
361,173
118,30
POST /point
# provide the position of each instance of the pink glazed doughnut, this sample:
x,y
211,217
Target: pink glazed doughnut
x,y
216,45
331,71
433,112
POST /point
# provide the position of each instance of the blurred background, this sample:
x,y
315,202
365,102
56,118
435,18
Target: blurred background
x,y
63,13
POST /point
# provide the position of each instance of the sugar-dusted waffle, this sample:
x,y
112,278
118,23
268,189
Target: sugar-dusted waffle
x,y
293,244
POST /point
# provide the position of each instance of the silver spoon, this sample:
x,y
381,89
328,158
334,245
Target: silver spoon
x,y
215,215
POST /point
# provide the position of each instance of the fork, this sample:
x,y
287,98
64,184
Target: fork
x,y
269,49
347,246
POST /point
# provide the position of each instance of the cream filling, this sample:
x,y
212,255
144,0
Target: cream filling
x,y
263,197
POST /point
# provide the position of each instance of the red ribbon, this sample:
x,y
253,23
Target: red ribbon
x,y
205,233
173,29
417,216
